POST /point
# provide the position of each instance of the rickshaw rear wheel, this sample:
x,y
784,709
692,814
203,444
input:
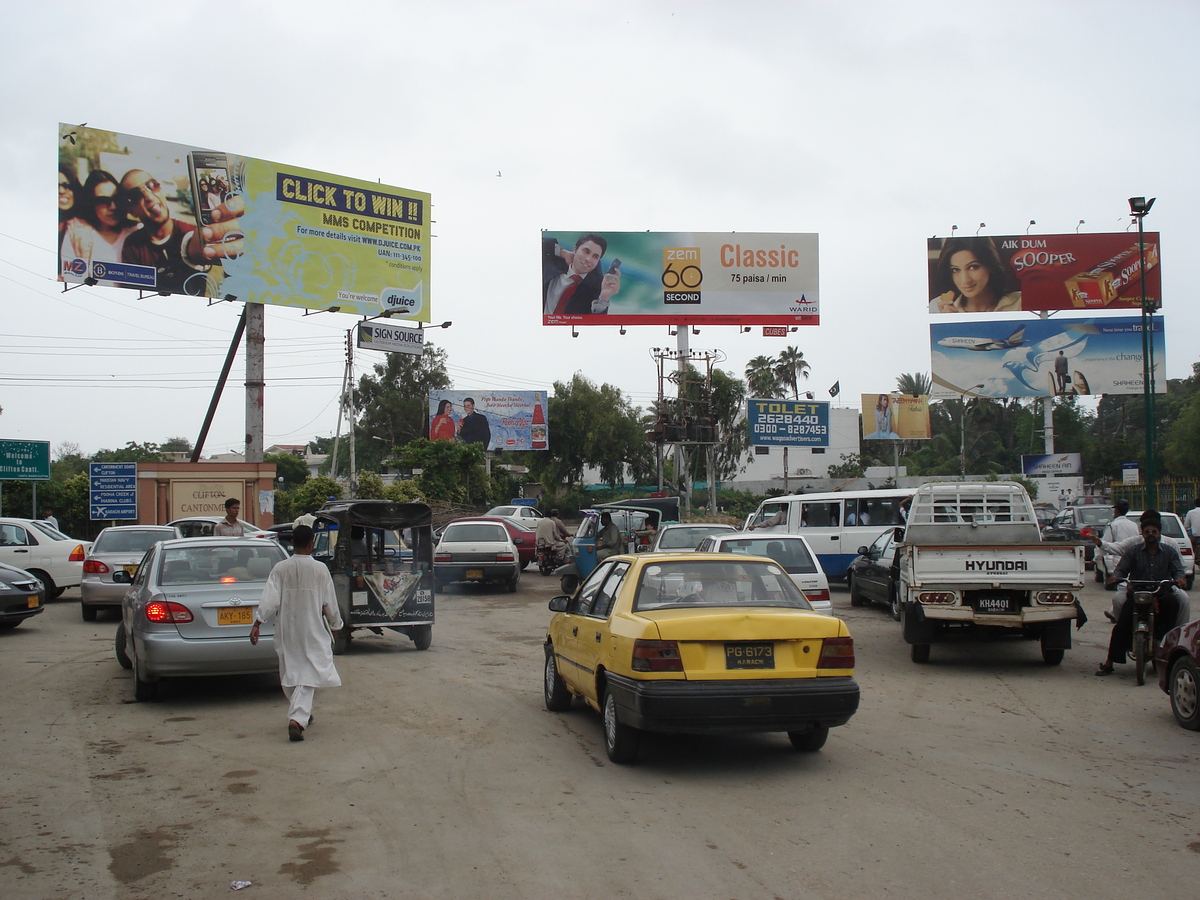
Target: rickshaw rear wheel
x,y
569,583
422,636
341,641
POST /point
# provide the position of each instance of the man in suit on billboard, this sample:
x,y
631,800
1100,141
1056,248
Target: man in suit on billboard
x,y
572,283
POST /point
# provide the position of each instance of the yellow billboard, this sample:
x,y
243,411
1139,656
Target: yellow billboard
x,y
895,417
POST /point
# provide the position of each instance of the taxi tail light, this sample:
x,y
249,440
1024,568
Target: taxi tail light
x,y
505,557
837,653
94,567
159,611
817,596
1055,597
77,554
656,656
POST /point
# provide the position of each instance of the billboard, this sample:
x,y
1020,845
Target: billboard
x,y
391,338
499,420
1042,357
1051,463
654,278
1042,272
788,423
895,417
172,218
24,460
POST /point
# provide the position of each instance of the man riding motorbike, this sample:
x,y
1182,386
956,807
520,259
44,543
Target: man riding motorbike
x,y
552,536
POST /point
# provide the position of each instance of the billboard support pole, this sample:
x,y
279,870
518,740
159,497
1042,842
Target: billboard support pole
x,y
220,387
255,351
685,482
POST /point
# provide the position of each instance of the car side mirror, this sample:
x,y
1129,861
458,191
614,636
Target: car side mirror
x,y
120,576
864,550
559,604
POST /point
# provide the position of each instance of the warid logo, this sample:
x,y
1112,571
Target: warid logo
x,y
681,275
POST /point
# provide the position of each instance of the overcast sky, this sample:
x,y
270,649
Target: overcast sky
x,y
874,125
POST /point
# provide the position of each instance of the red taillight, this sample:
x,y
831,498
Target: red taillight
x,y
1185,551
1055,597
817,596
1086,533
837,653
158,611
505,557
94,567
77,554
442,557
656,656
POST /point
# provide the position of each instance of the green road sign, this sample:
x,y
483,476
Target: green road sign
x,y
24,460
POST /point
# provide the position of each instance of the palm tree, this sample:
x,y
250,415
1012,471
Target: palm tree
x,y
790,365
762,379
917,383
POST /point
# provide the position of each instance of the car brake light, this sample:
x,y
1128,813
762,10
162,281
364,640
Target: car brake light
x,y
817,596
1086,533
94,567
837,653
1055,597
656,656
442,557
77,554
504,557
158,611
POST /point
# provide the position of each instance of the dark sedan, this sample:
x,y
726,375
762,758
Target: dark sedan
x,y
1178,664
874,577
1077,524
21,596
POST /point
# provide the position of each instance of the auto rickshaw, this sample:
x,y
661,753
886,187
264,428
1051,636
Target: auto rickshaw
x,y
380,555
637,525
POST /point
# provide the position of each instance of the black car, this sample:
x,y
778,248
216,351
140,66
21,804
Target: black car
x,y
1077,524
874,577
21,596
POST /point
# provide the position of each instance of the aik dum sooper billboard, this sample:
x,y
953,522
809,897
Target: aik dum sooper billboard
x,y
1038,273
172,218
652,278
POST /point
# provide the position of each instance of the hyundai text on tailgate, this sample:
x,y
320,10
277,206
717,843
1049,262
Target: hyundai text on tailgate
x,y
973,564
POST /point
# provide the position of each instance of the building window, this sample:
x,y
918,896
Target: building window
x,y
818,450
762,451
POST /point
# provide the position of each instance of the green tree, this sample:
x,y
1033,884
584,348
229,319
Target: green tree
x,y
131,452
916,383
762,377
291,467
790,367
370,487
176,445
314,493
449,471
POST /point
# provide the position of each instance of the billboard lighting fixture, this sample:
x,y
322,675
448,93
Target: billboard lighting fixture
x,y
574,333
1081,222
793,329
89,281
671,332
695,330
982,225
1030,225
745,328
622,329
953,228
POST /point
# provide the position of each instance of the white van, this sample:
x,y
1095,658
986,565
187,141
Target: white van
x,y
836,524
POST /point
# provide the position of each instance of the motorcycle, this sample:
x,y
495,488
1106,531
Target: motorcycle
x,y
550,557
1144,596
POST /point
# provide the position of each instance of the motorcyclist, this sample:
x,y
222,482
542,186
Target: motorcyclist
x,y
552,535
1150,560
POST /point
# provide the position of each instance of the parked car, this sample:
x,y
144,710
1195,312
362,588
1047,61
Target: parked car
x,y
117,547
1172,530
524,536
45,553
682,537
189,608
1177,660
1045,513
699,644
1077,524
524,513
21,596
476,550
789,550
874,575
202,526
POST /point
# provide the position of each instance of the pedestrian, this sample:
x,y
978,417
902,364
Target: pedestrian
x,y
300,602
231,525
1191,522
48,517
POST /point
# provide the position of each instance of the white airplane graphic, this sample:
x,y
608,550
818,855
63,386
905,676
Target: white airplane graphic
x,y
1016,339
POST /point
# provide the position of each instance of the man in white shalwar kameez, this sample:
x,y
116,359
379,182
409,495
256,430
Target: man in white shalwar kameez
x,y
299,600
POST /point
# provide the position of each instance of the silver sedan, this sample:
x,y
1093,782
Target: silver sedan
x,y
117,548
189,610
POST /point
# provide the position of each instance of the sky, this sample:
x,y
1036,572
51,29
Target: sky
x,y
875,125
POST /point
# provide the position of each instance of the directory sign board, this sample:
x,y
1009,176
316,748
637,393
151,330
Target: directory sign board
x,y
174,218
112,491
788,423
24,460
697,278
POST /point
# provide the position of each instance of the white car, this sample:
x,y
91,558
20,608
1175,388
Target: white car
x,y
46,553
526,514
476,550
682,537
1172,530
789,550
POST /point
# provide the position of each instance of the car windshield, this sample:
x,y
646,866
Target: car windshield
x,y
112,541
792,555
1171,525
688,537
468,532
50,531
1094,515
715,583
218,565
503,511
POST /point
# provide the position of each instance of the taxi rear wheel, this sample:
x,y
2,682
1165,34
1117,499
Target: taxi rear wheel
x,y
809,741
620,741
557,697
1185,699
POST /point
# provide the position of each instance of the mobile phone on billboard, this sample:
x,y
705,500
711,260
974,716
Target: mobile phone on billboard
x,y
211,182
612,270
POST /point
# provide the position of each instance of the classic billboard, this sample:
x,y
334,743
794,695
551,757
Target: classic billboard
x,y
499,420
788,423
650,278
1043,357
172,218
895,417
1042,272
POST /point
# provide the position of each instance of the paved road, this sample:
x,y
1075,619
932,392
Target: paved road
x,y
438,774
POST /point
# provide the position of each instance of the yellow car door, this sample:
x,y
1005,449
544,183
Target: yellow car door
x,y
592,638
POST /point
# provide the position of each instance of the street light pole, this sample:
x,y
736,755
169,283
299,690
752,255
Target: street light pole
x,y
962,430
1138,207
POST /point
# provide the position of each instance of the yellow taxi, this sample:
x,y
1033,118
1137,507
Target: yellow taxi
x,y
699,643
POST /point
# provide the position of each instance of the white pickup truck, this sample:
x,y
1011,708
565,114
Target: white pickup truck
x,y
973,561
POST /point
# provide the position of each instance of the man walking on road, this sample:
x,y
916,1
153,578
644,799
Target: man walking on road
x,y
230,526
299,600
1192,523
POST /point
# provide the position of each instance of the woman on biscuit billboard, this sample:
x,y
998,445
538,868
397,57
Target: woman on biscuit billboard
x,y
971,277
441,427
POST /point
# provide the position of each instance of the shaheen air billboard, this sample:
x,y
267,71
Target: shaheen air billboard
x,y
172,218
655,278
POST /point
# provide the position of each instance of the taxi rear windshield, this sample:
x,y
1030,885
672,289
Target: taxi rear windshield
x,y
716,583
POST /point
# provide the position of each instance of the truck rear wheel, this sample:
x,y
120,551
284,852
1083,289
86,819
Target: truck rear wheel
x,y
1052,656
919,652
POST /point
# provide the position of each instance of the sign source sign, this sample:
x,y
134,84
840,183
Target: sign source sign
x,y
24,460
788,423
1042,272
498,420
1051,464
112,491
215,224
391,338
651,278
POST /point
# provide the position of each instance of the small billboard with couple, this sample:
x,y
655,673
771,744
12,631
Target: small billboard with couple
x,y
496,420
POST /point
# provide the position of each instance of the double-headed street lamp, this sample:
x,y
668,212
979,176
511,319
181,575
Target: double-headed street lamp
x,y
1138,207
